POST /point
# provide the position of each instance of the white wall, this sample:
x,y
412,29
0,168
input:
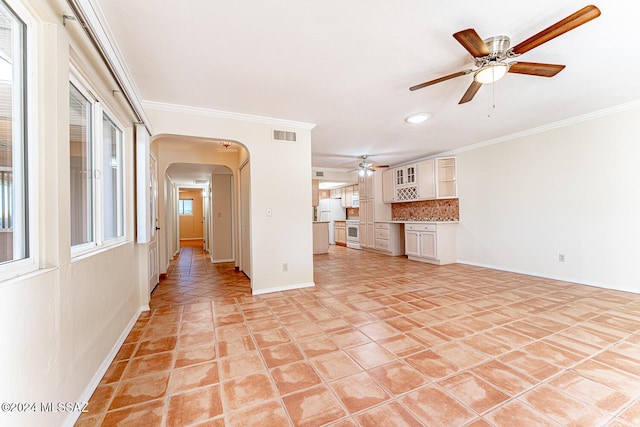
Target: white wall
x,y
279,181
573,190
62,323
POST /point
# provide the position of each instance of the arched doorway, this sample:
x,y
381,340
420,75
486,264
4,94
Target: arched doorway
x,y
204,214
213,168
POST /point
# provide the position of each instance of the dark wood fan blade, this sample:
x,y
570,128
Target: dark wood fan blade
x,y
471,41
582,16
441,79
471,92
536,69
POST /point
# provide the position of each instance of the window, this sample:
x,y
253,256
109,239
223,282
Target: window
x,y
96,171
14,229
81,168
112,186
185,207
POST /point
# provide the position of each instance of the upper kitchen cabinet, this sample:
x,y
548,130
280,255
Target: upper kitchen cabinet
x,y
447,187
406,186
425,180
388,186
347,195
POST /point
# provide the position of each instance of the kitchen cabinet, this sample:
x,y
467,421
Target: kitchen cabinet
x,y
367,216
335,193
320,237
431,242
446,178
388,186
347,195
406,188
366,186
340,232
389,238
425,180
372,208
405,175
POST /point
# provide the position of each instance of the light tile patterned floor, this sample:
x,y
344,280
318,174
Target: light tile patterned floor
x,y
379,341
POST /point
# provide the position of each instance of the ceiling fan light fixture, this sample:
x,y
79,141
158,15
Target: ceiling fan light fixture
x,y
417,118
491,72
365,167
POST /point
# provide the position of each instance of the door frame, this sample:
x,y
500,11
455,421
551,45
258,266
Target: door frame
x,y
244,191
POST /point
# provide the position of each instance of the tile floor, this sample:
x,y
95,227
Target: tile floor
x,y
379,341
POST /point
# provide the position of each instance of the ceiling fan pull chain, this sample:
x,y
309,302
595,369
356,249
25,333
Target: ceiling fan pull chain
x,y
493,94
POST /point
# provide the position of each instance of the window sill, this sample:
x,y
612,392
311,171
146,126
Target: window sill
x,y
96,250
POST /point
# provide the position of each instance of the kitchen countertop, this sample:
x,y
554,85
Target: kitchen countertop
x,y
419,222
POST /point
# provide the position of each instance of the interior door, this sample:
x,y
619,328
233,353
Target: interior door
x,y
154,275
245,220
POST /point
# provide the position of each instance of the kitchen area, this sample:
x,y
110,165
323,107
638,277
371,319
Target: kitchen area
x,y
408,210
335,214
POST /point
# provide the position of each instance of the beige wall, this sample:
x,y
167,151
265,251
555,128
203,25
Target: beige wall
x,y
571,190
191,225
278,171
63,323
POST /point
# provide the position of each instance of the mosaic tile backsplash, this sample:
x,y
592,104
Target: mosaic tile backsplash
x,y
426,210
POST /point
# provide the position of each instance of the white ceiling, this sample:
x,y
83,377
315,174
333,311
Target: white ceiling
x,y
186,174
347,66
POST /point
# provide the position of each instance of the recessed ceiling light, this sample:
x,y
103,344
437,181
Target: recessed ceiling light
x,y
417,118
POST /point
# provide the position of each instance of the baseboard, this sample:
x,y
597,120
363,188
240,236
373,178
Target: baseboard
x,y
215,261
283,288
548,276
95,381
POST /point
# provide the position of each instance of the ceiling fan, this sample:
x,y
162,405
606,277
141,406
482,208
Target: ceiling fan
x,y
491,55
365,167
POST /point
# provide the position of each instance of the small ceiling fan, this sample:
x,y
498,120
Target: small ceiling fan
x,y
365,167
491,55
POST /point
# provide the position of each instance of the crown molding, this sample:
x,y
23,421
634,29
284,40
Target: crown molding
x,y
218,114
96,27
545,128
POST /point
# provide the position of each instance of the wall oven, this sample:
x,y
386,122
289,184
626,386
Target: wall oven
x,y
353,234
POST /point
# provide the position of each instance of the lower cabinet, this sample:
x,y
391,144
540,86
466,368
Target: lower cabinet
x,y
340,233
433,243
389,238
320,237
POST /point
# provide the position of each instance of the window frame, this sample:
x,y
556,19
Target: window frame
x,y
30,140
181,210
98,111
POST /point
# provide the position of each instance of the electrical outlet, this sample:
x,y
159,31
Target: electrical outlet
x,y
285,267
560,257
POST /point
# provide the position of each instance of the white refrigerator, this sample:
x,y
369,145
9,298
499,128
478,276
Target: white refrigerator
x,y
331,210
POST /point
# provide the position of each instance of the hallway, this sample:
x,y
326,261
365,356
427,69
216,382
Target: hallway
x,y
192,278
378,341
